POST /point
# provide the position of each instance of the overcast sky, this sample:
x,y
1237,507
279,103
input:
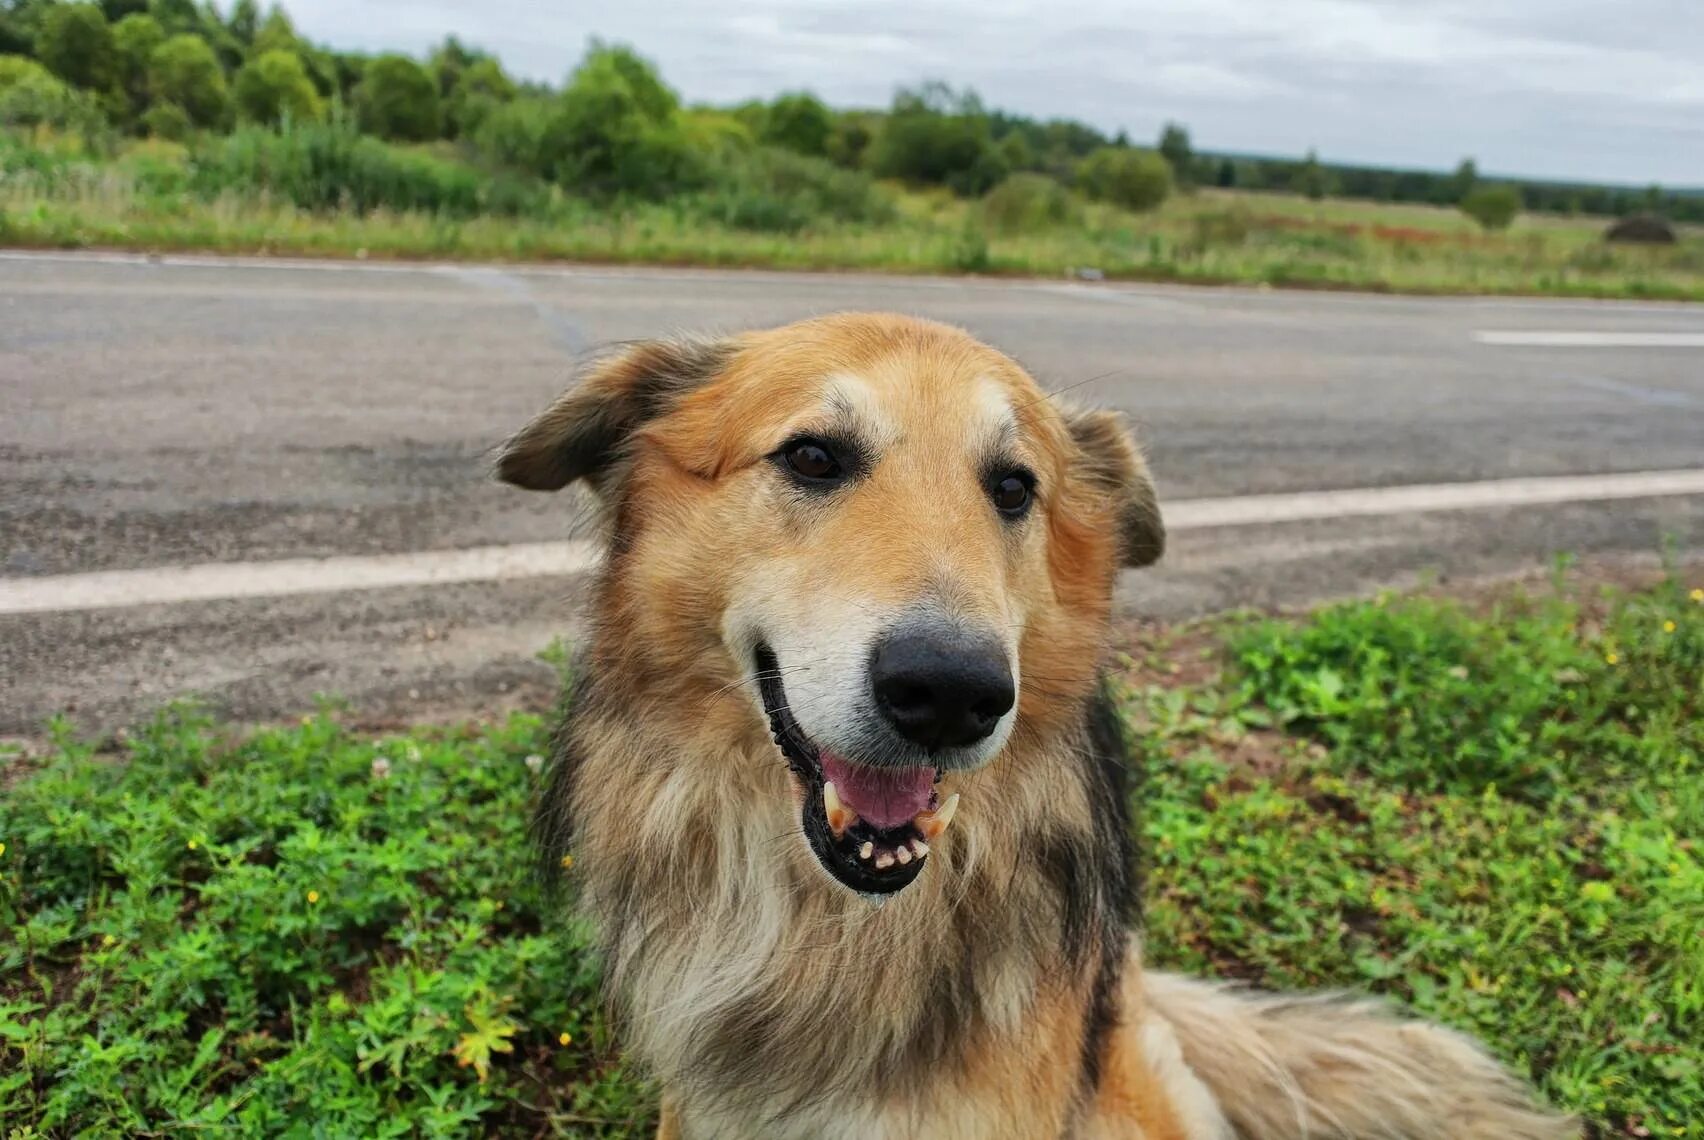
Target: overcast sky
x,y
1609,90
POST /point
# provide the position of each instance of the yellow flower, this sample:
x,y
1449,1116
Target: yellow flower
x,y
193,845
2,849
1697,595
1612,658
313,896
564,1039
1668,627
108,940
567,861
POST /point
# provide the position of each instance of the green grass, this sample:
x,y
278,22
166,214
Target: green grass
x,y
157,196
1492,813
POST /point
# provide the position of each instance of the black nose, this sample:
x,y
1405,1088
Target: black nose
x,y
941,688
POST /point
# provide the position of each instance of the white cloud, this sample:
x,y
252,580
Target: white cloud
x,y
1573,88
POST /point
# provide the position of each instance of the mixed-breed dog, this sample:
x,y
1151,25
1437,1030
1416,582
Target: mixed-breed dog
x,y
846,799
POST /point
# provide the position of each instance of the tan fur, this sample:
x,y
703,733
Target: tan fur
x,y
769,1000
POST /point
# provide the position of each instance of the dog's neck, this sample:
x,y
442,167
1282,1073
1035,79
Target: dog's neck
x,y
745,972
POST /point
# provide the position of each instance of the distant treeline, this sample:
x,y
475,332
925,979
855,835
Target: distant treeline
x,y
261,107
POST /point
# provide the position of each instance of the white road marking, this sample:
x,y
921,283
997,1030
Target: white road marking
x,y
111,589
1565,338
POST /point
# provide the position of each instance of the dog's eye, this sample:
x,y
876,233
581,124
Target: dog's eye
x,y
809,459
1012,493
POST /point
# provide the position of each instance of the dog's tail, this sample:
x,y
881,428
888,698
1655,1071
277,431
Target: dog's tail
x,y
1333,1068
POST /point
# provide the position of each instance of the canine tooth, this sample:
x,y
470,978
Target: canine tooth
x,y
921,848
884,860
932,823
903,854
867,850
839,816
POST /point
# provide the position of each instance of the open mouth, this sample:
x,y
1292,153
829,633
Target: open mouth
x,y
869,827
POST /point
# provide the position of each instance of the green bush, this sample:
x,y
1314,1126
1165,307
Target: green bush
x,y
1027,202
1124,176
615,130
331,166
134,39
184,70
275,85
31,96
75,42
166,120
397,99
1493,207
766,188
798,121
479,88
934,135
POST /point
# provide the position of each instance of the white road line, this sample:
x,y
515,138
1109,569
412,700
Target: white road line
x,y
1563,338
111,589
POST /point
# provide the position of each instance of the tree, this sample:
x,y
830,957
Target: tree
x,y
936,135
1134,179
75,43
480,88
397,99
1310,178
798,121
1227,176
1175,149
276,33
176,16
1462,182
274,85
244,20
134,39
116,10
1493,207
616,129
184,70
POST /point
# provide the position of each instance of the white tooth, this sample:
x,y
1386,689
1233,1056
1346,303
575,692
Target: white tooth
x,y
932,823
884,861
839,816
867,850
903,854
920,847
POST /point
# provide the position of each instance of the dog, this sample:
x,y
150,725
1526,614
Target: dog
x,y
845,794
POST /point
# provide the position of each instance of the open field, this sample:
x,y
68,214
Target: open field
x,y
149,198
1489,812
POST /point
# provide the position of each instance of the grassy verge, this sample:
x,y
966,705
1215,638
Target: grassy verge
x,y
158,197
1493,814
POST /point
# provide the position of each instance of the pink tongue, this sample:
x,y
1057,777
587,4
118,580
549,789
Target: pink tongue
x,y
884,797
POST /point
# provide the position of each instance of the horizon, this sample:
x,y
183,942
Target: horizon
x,y
1528,93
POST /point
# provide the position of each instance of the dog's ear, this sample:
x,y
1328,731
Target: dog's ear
x,y
584,434
1112,464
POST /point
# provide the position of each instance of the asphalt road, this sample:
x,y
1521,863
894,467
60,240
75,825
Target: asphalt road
x,y
160,414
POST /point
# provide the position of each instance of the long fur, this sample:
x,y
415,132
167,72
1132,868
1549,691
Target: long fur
x,y
1000,994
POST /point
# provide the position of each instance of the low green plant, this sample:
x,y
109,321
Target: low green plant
x,y
1027,203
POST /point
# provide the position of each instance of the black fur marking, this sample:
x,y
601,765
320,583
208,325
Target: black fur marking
x,y
1115,848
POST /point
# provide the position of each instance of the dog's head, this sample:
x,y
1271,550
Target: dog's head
x,y
879,530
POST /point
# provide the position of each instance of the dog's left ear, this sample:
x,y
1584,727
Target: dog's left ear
x,y
1113,465
585,433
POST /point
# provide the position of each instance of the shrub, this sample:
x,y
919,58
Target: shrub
x,y
1493,207
166,120
75,42
330,166
933,135
397,99
615,130
273,85
134,39
1175,148
1134,179
479,88
31,96
766,188
184,70
1027,202
798,121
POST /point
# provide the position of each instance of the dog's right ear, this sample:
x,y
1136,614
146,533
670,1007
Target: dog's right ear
x,y
584,434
